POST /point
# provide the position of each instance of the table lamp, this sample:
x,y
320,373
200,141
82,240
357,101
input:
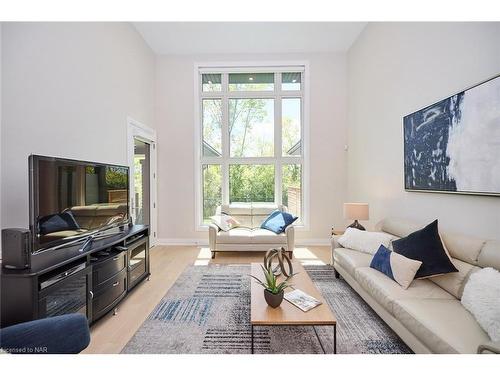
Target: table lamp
x,y
356,211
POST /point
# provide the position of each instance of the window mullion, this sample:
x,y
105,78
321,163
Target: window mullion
x,y
225,140
278,175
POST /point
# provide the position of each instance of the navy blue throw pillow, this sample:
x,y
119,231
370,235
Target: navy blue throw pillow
x,y
425,245
277,221
58,222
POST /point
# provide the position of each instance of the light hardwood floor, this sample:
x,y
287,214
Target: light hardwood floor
x,y
112,332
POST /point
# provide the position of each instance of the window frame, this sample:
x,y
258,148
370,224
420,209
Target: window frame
x,y
278,160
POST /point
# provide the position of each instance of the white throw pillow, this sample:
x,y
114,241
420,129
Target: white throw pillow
x,y
482,298
224,222
366,242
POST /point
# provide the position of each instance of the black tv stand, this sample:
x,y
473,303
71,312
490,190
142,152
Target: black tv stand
x,y
91,280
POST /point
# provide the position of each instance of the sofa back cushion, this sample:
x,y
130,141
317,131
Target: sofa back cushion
x,y
454,282
250,215
465,248
469,254
398,227
459,246
490,255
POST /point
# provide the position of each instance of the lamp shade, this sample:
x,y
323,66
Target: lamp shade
x,y
356,211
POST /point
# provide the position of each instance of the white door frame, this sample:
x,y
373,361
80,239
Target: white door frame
x,y
137,130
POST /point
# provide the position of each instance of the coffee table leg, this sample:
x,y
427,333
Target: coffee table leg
x,y
252,339
334,339
319,340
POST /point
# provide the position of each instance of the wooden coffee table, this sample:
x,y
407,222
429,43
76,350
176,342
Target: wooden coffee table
x,y
288,314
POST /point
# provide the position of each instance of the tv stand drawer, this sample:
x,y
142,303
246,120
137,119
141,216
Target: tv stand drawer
x,y
109,294
105,269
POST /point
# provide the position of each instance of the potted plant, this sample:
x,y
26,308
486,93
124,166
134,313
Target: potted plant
x,y
273,292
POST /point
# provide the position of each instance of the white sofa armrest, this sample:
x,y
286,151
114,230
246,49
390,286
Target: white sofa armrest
x,y
335,243
290,237
490,347
212,236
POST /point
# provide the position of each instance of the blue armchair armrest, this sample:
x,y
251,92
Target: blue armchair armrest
x,y
65,334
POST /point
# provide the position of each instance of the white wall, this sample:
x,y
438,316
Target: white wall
x,y
393,70
67,91
175,122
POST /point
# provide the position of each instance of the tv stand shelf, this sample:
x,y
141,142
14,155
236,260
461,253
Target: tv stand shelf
x,y
67,280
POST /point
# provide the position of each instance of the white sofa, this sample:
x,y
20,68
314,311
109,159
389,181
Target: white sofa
x,y
428,316
249,236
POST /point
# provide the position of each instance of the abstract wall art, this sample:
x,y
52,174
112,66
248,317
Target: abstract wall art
x,y
453,145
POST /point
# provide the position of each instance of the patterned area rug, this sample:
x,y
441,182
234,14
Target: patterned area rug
x,y
207,310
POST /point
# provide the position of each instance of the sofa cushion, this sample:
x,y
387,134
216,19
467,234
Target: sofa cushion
x,y
237,209
235,235
248,236
490,255
398,227
386,291
264,209
463,247
266,236
426,246
454,282
351,259
443,325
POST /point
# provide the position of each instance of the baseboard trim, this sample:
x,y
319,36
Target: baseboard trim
x,y
204,242
182,242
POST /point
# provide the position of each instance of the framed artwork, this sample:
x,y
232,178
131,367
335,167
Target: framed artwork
x,y
453,146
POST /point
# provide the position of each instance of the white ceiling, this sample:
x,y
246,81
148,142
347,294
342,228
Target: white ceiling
x,y
248,37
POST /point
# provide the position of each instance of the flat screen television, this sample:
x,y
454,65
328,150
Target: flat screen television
x,y
71,200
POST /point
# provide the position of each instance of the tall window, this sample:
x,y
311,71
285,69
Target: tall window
x,y
251,138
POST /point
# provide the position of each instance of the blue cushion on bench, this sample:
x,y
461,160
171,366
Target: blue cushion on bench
x,y
277,221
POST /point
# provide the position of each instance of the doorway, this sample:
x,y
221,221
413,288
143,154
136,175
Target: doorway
x,y
141,145
141,180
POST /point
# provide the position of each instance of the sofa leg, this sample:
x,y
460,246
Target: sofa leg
x,y
290,254
337,275
213,254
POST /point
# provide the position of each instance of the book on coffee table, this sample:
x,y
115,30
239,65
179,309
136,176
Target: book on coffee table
x,y
303,301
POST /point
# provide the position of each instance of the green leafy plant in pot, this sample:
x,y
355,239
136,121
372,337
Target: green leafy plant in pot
x,y
273,292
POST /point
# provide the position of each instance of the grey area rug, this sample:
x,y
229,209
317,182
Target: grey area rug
x,y
207,310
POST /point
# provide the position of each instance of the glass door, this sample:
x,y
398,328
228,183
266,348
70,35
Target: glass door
x,y
141,200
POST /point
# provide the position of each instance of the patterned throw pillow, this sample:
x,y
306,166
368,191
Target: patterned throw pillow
x,y
224,222
399,268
